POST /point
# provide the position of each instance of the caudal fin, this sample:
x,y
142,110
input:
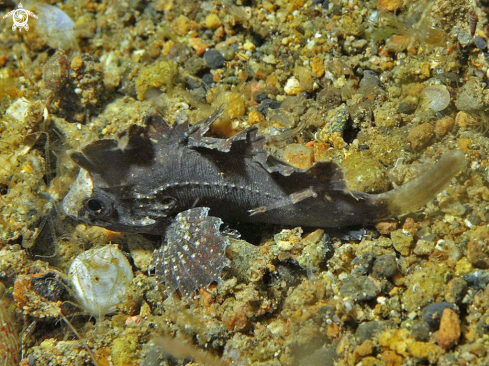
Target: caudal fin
x,y
421,190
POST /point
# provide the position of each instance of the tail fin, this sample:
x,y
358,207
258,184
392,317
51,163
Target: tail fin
x,y
421,190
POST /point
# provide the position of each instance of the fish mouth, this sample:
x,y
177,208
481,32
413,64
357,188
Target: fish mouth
x,y
81,190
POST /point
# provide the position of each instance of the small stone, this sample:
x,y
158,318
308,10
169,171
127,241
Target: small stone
x,y
444,126
76,63
406,108
449,332
402,242
391,358
181,25
450,206
477,279
212,21
420,136
292,86
365,349
317,66
198,45
364,172
480,43
361,288
214,59
424,247
336,120
385,266
470,96
390,5
456,290
421,330
369,330
463,119
425,351
432,313
478,252
298,155
386,227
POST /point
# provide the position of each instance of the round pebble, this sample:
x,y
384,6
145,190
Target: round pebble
x,y
360,288
214,59
480,43
385,266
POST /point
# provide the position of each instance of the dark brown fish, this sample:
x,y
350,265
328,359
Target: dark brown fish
x,y
168,180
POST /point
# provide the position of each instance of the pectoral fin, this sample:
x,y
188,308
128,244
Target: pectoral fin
x,y
194,254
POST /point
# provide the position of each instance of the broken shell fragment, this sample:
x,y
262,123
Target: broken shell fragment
x,y
101,277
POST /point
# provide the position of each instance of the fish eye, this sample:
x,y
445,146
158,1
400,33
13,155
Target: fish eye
x,y
99,206
94,205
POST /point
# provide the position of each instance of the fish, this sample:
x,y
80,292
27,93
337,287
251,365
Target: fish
x,y
178,182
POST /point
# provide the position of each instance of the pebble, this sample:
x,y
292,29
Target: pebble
x,y
425,351
292,86
477,279
449,332
214,59
432,313
456,290
469,98
478,253
402,242
453,207
268,103
406,108
369,330
480,43
212,21
298,155
444,126
421,330
420,136
365,173
208,79
385,266
361,288
336,121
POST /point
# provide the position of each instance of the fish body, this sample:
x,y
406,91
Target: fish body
x,y
175,181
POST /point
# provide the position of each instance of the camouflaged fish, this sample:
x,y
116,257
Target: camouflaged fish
x,y
176,182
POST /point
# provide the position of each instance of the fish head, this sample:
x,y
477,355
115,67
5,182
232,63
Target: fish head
x,y
114,188
111,207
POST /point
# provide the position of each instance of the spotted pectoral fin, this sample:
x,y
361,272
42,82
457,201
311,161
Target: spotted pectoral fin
x,y
194,253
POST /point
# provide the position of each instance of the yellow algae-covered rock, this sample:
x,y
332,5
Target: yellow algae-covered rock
x,y
212,21
402,242
396,340
155,76
365,173
317,66
425,351
181,25
449,332
124,350
424,285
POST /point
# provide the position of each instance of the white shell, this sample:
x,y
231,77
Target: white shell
x,y
101,277
437,97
